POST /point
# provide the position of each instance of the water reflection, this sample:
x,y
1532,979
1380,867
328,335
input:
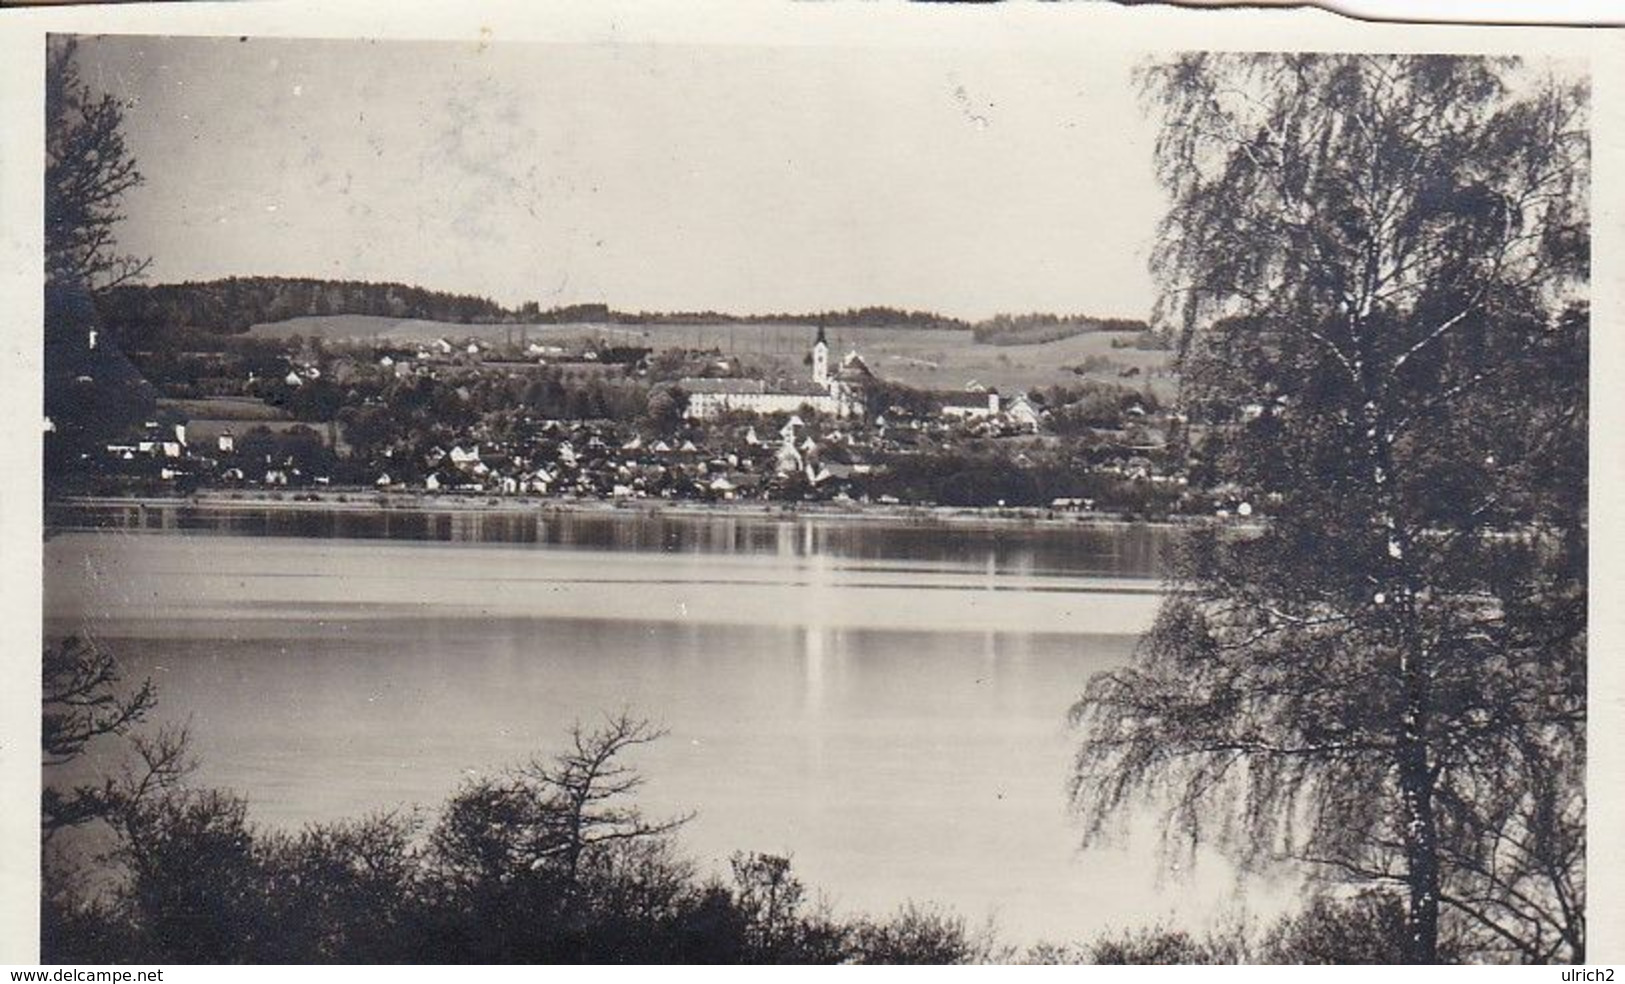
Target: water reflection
x,y
1029,550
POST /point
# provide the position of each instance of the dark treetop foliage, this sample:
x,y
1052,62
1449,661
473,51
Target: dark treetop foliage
x,y
143,314
1378,266
551,862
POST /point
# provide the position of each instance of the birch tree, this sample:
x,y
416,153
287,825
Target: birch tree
x,y
1376,267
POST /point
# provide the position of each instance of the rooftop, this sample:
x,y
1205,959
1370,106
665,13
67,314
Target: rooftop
x,y
702,385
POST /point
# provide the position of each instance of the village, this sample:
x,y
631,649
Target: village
x,y
616,422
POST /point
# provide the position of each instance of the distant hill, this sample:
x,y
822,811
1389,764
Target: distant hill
x,y
920,347
143,314
940,359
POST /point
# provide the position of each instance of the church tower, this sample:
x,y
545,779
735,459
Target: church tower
x,y
820,359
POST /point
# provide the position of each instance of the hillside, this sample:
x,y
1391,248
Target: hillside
x,y
925,358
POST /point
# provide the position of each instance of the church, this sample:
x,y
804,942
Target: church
x,y
837,393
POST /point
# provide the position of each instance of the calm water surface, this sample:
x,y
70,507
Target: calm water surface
x,y
886,702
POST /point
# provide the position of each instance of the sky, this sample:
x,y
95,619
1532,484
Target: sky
x,y
648,177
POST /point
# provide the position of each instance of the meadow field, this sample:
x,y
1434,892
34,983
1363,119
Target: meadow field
x,y
236,408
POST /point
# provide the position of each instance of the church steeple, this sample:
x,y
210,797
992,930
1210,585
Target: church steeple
x,y
820,359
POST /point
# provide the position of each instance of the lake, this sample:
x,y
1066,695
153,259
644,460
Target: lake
x,y
884,701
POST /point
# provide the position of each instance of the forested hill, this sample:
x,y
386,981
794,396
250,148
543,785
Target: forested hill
x,y
139,314
863,317
233,305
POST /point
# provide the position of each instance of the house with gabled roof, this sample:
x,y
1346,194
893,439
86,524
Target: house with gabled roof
x,y
1024,413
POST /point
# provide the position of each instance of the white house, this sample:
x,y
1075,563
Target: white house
x,y
971,404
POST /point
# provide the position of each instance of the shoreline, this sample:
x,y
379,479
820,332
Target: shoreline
x,y
369,500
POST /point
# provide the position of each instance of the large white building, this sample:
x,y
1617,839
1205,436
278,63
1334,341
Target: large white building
x,y
837,394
